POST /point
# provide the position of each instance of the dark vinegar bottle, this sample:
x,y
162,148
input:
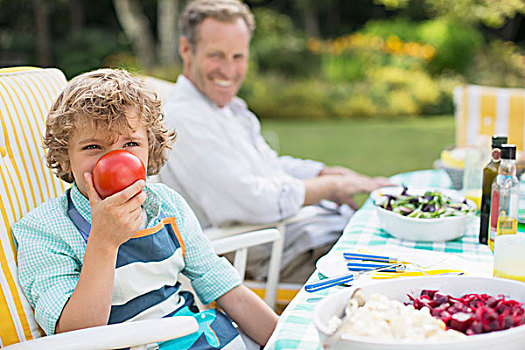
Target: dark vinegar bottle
x,y
489,174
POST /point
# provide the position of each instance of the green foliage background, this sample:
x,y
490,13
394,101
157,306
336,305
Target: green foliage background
x,y
363,62
290,80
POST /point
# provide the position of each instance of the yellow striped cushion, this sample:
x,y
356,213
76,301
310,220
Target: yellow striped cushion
x,y
482,110
26,94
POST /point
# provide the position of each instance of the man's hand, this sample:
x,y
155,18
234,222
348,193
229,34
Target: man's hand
x,y
337,170
342,171
346,187
116,218
339,185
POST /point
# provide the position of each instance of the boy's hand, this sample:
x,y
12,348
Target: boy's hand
x,y
116,218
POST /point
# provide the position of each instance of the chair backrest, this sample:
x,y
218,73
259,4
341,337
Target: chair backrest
x,y
483,110
26,95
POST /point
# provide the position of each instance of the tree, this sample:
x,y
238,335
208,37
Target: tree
x,y
492,13
137,29
43,33
136,26
167,30
310,14
76,13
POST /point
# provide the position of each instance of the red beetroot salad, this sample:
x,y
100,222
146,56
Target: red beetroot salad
x,y
472,313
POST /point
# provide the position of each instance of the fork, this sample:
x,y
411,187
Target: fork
x,y
353,257
337,280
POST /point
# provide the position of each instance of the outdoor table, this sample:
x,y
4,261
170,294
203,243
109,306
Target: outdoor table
x,y
296,330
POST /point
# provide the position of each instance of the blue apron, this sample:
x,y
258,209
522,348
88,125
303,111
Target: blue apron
x,y
157,244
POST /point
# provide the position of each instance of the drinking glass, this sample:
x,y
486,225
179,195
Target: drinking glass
x,y
509,257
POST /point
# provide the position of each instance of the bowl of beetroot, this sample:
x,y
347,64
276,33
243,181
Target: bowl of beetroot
x,y
427,215
487,313
472,313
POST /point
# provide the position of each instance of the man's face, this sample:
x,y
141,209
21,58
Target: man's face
x,y
87,145
217,67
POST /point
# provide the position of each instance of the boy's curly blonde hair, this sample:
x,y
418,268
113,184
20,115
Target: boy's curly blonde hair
x,y
102,99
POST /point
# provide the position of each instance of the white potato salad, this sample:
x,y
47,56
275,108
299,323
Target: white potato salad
x,y
382,318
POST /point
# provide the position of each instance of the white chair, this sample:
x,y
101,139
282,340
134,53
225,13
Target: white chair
x,y
487,111
26,95
238,239
133,334
241,234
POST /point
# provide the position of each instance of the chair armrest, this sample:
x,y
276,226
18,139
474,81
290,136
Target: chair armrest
x,y
122,335
237,238
245,240
226,231
305,213
214,233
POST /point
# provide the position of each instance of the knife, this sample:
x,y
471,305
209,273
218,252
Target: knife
x,y
370,257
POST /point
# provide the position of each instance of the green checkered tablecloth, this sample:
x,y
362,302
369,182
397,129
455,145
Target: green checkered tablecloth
x,y
296,330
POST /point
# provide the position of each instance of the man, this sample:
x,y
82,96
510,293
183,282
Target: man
x,y
221,163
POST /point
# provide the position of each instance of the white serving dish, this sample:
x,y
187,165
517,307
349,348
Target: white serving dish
x,y
510,339
416,229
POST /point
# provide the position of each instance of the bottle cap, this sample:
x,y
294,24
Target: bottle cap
x,y
508,151
498,140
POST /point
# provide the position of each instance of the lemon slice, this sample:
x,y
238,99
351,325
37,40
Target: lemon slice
x,y
454,158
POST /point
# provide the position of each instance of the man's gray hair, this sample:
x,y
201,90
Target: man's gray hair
x,y
222,10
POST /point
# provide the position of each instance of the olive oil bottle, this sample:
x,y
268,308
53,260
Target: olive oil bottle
x,y
504,198
489,174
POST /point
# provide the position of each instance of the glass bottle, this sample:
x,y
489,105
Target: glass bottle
x,y
489,174
504,199
473,175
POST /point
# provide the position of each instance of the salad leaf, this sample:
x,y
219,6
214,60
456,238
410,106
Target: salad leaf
x,y
430,205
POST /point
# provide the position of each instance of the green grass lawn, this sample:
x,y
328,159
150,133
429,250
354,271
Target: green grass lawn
x,y
374,147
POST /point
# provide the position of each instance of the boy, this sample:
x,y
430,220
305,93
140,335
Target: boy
x,y
85,261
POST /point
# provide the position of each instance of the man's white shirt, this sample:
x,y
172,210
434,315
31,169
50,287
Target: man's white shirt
x,y
228,174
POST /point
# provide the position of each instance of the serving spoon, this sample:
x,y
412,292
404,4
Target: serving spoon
x,y
337,280
357,299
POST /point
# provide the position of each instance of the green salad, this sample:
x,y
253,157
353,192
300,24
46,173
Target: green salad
x,y
431,205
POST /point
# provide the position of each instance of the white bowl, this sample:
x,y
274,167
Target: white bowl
x,y
416,229
397,289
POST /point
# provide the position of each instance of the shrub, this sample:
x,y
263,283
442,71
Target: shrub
x,y
100,44
500,64
341,68
403,91
277,47
403,28
273,96
386,91
357,105
348,57
455,45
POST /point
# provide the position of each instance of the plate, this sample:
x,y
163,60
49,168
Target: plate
x,y
332,265
397,289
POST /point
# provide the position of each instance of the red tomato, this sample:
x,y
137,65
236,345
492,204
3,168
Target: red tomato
x,y
115,171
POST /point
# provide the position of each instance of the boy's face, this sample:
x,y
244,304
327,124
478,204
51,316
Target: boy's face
x,y
217,66
87,145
